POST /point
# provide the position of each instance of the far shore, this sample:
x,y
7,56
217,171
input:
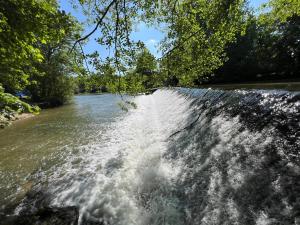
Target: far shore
x,y
289,86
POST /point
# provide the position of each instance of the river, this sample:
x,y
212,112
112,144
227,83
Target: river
x,y
50,140
184,156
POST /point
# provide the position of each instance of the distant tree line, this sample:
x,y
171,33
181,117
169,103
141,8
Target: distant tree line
x,y
247,46
268,51
140,76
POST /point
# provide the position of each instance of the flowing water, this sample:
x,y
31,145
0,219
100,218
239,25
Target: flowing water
x,y
183,156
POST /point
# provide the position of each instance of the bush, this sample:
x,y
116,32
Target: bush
x,y
12,104
52,89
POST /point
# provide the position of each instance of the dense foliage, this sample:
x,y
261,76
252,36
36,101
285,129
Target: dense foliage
x,y
201,30
206,41
11,105
269,50
53,83
35,57
140,76
22,25
198,32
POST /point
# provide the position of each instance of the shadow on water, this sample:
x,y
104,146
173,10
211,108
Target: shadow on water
x,y
240,160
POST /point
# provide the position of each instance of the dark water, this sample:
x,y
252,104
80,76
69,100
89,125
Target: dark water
x,y
183,156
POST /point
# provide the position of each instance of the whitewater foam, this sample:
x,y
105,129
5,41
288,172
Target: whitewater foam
x,y
188,157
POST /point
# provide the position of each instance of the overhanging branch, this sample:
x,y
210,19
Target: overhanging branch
x,y
97,25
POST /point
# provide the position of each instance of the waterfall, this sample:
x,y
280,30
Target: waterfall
x,y
190,156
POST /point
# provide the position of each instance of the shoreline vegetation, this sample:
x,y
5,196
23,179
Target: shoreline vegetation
x,y
13,108
283,85
9,116
8,119
4,121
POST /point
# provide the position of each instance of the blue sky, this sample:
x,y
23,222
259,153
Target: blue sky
x,y
149,35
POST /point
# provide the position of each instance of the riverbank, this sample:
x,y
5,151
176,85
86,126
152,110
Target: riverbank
x,y
24,116
14,108
12,118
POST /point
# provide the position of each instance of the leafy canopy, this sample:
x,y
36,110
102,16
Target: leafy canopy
x,y
24,26
198,31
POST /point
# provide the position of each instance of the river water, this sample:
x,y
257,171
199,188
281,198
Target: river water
x,y
50,140
183,156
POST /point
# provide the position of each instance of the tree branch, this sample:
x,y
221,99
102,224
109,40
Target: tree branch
x,y
126,24
116,49
97,25
84,58
180,44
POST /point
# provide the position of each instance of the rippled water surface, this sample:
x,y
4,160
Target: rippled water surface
x,y
51,139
